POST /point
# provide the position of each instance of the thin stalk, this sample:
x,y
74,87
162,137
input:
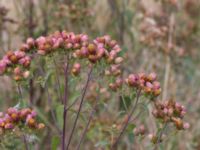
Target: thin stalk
x,y
87,125
168,61
20,92
160,136
25,142
80,106
65,104
57,80
52,111
127,122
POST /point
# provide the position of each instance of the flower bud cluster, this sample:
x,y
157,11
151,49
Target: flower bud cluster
x,y
76,69
24,117
141,130
171,111
18,61
116,85
146,82
78,44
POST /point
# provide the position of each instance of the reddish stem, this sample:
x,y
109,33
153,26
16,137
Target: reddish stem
x,y
80,106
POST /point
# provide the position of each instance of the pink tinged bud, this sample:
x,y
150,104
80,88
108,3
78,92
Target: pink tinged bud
x,y
2,67
30,41
77,66
7,118
136,132
150,136
76,45
132,80
69,45
170,111
56,44
165,111
19,54
119,60
26,74
107,72
22,61
186,126
155,113
107,38
156,85
84,51
149,85
41,52
113,53
100,52
6,60
12,110
41,40
9,126
17,71
33,113
25,47
1,121
183,108
84,38
178,105
1,114
152,76
183,113
119,82
64,34
100,45
29,116
112,43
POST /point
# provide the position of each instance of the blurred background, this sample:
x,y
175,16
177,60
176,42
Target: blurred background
x,y
162,36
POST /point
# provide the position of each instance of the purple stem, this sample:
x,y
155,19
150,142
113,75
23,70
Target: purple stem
x,y
80,106
87,125
127,122
65,103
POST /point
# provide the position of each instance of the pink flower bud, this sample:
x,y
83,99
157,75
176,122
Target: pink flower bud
x,y
17,71
9,126
156,84
107,38
149,85
30,41
41,52
84,38
152,76
119,60
2,67
186,126
165,111
26,74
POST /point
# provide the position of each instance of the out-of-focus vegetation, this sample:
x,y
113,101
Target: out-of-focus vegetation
x,y
160,36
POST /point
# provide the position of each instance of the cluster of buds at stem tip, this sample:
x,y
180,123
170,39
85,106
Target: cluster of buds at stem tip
x,y
116,85
77,44
22,118
171,111
155,138
76,69
141,130
146,82
16,63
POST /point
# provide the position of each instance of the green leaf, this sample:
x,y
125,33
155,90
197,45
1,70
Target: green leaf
x,y
125,103
130,128
55,143
102,143
131,137
59,114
